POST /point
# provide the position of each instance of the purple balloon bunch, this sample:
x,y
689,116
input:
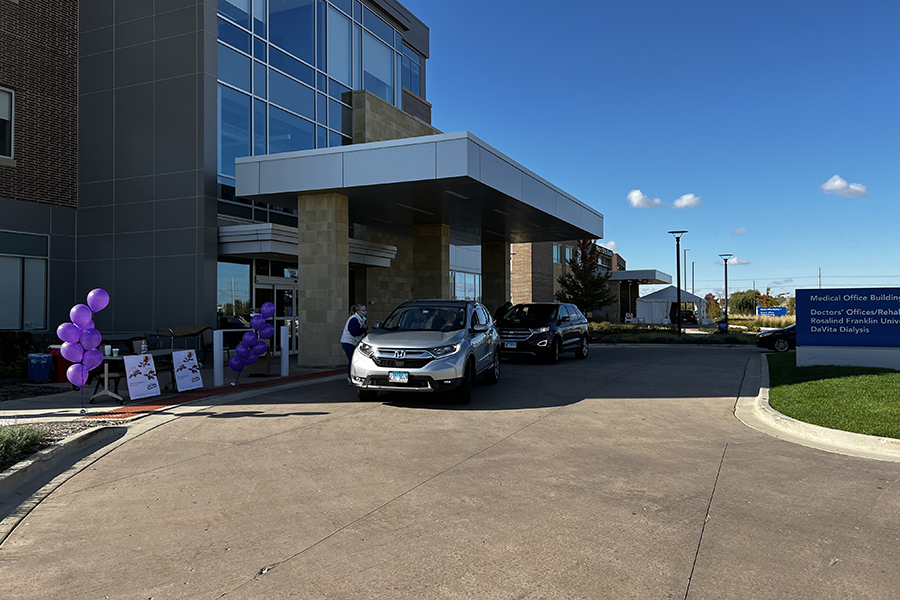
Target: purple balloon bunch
x,y
80,339
252,345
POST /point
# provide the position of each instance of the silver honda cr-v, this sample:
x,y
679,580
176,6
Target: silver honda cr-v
x,y
428,346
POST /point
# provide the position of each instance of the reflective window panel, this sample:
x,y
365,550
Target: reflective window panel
x,y
234,127
291,66
339,46
288,132
292,27
233,36
234,67
291,94
378,63
236,10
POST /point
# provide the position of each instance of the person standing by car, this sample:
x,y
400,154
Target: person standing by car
x,y
354,330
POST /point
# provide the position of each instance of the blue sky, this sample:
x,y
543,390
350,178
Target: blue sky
x,y
742,110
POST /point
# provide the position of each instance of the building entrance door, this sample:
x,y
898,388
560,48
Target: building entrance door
x,y
282,292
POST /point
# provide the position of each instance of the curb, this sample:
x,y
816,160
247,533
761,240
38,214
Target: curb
x,y
757,413
47,458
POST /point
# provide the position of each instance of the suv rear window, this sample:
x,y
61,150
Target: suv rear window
x,y
426,318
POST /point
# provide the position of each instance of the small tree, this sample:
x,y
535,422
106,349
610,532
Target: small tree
x,y
583,284
712,306
743,303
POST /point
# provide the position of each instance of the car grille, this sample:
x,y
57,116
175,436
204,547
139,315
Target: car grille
x,y
515,335
384,382
409,363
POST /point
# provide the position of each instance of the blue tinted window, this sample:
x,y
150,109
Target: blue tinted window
x,y
236,10
259,127
288,132
344,5
320,34
233,36
340,117
339,46
259,49
357,11
321,137
378,61
259,79
291,66
234,67
234,127
291,94
336,90
376,25
259,17
398,41
335,139
321,104
321,83
357,57
291,26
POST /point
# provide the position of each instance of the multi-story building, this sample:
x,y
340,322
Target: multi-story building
x,y
233,152
38,112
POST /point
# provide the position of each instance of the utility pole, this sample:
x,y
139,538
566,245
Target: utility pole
x,y
692,277
820,278
233,310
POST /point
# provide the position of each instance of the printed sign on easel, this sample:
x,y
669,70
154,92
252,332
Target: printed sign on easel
x,y
142,378
187,371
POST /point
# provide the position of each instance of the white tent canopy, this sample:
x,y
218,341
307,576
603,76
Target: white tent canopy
x,y
655,307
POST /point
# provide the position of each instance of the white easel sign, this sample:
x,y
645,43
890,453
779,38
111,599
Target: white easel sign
x,y
142,377
187,371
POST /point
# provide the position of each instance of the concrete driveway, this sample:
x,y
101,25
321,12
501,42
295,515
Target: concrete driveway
x,y
622,476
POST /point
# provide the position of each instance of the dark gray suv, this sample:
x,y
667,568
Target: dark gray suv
x,y
544,330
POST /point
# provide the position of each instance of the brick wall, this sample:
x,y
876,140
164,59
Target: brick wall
x,y
520,273
38,60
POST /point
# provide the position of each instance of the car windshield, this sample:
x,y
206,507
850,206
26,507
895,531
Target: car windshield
x,y
531,313
426,318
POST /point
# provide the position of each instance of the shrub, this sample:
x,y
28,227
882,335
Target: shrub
x,y
19,441
14,349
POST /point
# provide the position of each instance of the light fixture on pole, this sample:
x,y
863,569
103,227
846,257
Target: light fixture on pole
x,y
725,258
678,235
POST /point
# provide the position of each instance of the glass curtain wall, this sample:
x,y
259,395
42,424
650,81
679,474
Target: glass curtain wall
x,y
285,70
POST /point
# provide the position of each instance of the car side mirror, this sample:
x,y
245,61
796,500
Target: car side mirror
x,y
480,328
376,325
564,319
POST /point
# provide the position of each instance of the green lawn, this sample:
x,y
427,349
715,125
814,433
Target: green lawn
x,y
858,399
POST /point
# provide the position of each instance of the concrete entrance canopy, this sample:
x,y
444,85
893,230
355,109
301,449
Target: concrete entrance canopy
x,y
642,277
453,179
627,289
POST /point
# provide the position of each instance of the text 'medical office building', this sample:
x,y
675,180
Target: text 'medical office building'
x,y
234,152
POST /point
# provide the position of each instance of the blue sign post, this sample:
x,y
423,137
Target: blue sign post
x,y
868,317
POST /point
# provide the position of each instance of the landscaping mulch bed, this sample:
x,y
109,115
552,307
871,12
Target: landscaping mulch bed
x,y
14,389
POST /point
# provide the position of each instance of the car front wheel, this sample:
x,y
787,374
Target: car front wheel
x,y
367,395
782,345
463,394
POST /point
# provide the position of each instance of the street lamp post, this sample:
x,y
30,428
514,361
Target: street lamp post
x,y
686,250
678,235
725,258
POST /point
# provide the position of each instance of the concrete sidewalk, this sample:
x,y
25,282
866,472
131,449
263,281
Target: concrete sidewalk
x,y
68,405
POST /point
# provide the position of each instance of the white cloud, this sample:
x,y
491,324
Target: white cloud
x,y
734,260
688,201
739,230
611,245
836,185
638,199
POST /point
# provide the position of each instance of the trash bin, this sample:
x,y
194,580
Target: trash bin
x,y
39,367
59,365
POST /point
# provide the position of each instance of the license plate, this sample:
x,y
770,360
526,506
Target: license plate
x,y
398,377
509,344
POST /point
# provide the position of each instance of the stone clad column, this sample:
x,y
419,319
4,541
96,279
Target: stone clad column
x,y
495,275
431,261
322,257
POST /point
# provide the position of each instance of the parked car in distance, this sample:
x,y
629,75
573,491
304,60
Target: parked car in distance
x,y
544,330
779,340
428,346
688,317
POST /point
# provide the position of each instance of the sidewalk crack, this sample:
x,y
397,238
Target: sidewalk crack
x,y
705,521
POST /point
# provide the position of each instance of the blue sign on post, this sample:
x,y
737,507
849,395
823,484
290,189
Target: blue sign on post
x,y
849,317
772,311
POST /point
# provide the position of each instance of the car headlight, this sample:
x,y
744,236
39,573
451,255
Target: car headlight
x,y
764,334
540,329
365,349
444,350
